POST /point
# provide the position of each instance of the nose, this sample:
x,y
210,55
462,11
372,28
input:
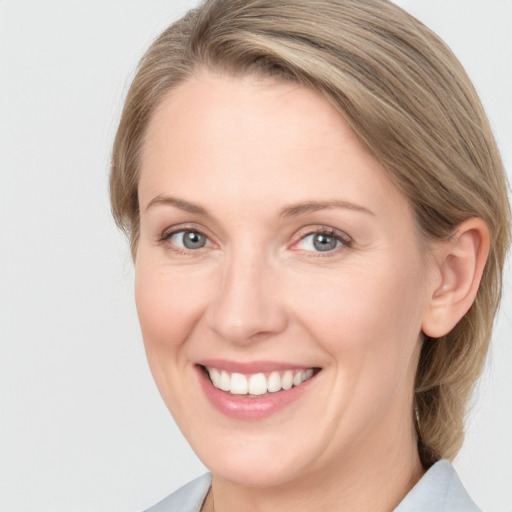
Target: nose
x,y
248,305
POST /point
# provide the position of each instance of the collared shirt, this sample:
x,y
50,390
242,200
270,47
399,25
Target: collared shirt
x,y
439,490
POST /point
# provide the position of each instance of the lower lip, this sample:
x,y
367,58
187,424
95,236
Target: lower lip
x,y
243,407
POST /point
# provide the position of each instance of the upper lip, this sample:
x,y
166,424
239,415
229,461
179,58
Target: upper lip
x,y
251,367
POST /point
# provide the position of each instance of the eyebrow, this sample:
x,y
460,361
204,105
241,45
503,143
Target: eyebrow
x,y
313,206
292,210
178,203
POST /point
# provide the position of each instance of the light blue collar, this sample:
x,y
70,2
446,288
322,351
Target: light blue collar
x,y
440,490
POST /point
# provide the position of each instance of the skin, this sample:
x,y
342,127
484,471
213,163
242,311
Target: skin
x,y
242,150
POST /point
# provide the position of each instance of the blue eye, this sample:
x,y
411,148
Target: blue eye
x,y
320,242
188,239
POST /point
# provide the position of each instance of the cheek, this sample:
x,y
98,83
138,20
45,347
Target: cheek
x,y
364,311
168,305
369,322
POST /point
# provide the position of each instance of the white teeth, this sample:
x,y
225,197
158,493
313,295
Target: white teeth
x,y
274,382
238,385
224,381
287,380
257,384
215,376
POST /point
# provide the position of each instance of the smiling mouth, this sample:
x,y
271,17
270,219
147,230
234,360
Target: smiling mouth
x,y
258,384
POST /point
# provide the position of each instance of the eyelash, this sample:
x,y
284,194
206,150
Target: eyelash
x,y
168,234
341,237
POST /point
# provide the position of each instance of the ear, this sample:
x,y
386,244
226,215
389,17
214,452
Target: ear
x,y
459,265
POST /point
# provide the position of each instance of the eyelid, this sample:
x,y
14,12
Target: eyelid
x,y
169,232
346,240
172,230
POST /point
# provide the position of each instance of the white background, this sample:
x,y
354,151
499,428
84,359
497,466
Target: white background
x,y
82,427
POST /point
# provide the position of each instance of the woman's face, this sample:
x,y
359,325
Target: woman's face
x,y
275,252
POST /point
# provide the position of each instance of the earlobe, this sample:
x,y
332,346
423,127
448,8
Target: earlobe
x,y
460,263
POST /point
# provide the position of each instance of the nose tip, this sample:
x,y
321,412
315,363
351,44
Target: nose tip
x,y
248,306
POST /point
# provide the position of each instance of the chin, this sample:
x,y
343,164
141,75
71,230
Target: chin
x,y
256,459
254,470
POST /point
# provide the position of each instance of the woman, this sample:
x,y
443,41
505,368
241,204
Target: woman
x,y
318,217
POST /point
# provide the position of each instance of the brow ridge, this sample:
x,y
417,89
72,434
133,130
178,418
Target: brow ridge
x,y
178,203
292,210
306,207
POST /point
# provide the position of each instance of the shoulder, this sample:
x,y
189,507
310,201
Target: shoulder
x,y
188,498
440,490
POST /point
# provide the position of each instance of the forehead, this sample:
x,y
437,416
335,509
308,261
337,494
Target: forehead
x,y
219,109
250,137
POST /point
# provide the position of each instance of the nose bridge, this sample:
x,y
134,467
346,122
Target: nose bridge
x,y
248,303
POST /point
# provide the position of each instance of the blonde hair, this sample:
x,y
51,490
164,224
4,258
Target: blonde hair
x,y
409,100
